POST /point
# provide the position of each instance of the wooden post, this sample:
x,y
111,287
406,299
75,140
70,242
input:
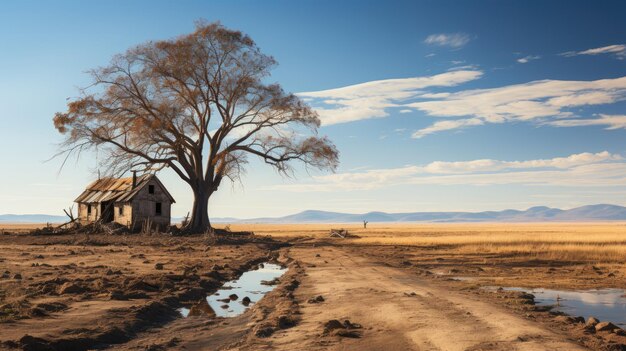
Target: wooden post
x,y
134,179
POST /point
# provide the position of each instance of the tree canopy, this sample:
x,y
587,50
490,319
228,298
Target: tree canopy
x,y
198,104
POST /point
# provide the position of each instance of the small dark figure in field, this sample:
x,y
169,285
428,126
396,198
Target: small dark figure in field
x,y
365,224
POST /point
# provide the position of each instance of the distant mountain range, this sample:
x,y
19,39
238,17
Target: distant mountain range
x,y
534,214
32,218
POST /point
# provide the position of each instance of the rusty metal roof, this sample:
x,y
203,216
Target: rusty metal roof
x,y
117,189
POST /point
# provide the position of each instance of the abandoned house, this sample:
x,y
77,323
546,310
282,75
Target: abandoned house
x,y
131,201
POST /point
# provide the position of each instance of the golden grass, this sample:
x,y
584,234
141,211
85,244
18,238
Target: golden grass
x,y
597,242
19,227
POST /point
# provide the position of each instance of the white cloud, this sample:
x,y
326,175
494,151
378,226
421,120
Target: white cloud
x,y
453,40
447,125
610,121
528,58
584,169
489,165
605,50
544,102
435,96
619,50
465,67
372,99
533,101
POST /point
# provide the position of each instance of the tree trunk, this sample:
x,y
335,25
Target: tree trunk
x,y
199,222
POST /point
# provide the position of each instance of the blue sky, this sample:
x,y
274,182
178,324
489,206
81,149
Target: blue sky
x,y
434,105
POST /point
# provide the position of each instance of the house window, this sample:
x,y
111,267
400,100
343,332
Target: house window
x,y
121,210
158,208
150,189
88,209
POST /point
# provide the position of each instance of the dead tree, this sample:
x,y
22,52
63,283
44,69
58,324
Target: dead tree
x,y
69,212
198,104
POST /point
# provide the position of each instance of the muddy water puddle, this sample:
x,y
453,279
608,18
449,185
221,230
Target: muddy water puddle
x,y
249,285
604,304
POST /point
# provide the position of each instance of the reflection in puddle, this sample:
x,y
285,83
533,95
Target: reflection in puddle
x,y
184,311
604,304
248,285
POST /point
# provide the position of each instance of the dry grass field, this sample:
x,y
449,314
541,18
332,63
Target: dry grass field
x,y
585,242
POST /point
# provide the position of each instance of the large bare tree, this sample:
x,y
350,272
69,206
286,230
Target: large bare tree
x,y
198,104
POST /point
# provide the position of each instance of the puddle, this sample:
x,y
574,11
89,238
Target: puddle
x,y
249,284
604,304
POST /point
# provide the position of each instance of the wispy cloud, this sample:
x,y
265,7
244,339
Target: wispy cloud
x,y
609,121
528,58
441,126
464,68
619,50
372,99
584,169
542,101
489,165
453,40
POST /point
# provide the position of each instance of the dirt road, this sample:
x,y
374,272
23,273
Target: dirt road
x,y
374,295
108,292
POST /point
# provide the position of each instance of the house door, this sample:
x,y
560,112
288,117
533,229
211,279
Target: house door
x,y
106,210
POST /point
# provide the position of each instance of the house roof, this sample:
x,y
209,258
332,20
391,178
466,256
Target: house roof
x,y
117,189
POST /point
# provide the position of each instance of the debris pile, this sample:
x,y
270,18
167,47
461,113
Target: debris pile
x,y
341,233
97,227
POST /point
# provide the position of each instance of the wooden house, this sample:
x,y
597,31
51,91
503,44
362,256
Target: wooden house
x,y
129,201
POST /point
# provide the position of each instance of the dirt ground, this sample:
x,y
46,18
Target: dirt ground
x,y
76,292
80,292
